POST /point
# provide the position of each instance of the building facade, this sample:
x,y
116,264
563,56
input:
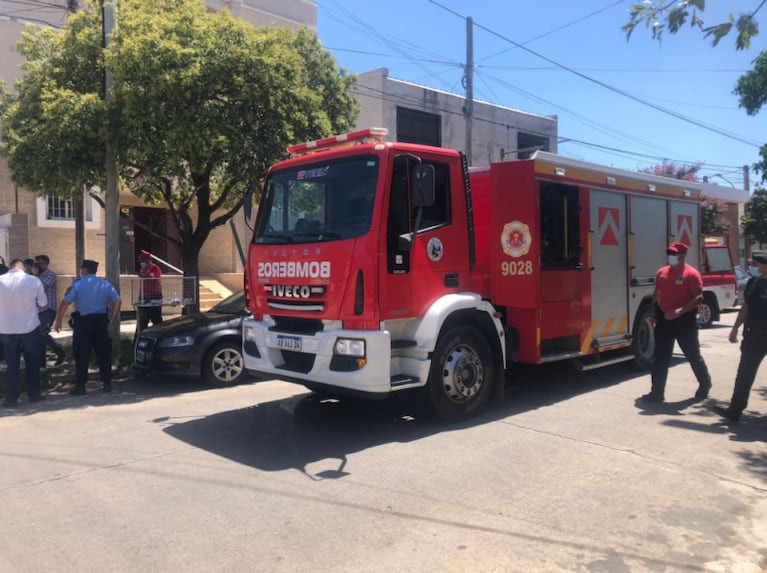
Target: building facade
x,y
31,225
417,114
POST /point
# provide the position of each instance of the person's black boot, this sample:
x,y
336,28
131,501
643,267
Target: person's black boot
x,y
703,391
728,413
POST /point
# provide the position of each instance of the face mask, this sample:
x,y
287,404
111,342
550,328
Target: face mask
x,y
82,274
673,259
144,264
753,271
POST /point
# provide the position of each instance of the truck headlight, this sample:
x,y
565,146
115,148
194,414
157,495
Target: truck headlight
x,y
350,347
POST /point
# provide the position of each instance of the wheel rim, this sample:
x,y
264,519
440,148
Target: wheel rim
x,y
704,314
646,338
462,374
227,365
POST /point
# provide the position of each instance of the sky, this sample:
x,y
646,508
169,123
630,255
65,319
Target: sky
x,y
569,58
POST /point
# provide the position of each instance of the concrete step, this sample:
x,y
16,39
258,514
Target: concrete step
x,y
211,293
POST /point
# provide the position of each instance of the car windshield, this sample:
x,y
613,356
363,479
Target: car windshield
x,y
324,201
234,304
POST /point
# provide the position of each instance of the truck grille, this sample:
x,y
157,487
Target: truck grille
x,y
297,361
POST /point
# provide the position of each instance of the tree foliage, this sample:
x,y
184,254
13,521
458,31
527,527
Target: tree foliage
x,y
712,218
672,15
688,172
754,220
202,104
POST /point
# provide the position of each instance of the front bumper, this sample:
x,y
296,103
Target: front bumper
x,y
314,363
149,357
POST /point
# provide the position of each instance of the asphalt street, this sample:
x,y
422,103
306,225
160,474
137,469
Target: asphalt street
x,y
569,474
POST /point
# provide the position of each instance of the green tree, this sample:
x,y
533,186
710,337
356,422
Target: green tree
x,y
202,104
671,15
754,220
712,219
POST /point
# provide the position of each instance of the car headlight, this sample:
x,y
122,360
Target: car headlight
x,y
350,347
176,341
249,332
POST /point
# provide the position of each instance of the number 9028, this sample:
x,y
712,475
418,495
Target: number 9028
x,y
516,268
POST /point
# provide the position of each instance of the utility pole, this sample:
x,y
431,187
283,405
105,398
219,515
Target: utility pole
x,y
468,109
746,182
78,200
112,199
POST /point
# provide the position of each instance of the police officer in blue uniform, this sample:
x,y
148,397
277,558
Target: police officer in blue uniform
x,y
91,297
753,349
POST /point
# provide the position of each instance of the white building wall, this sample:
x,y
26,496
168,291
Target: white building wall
x,y
494,128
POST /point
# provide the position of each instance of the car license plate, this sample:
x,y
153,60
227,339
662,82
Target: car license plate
x,y
289,343
139,355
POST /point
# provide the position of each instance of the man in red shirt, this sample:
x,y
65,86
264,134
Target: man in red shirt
x,y
150,299
678,291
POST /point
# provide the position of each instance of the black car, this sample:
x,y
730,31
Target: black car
x,y
208,344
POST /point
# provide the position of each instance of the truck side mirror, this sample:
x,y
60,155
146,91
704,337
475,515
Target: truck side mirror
x,y
247,204
422,185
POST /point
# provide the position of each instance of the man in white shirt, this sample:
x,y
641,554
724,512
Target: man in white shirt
x,y
20,296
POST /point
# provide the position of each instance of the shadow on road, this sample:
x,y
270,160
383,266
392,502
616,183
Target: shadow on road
x,y
128,389
295,432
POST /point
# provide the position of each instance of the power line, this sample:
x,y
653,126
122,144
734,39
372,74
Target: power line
x,y
619,91
558,28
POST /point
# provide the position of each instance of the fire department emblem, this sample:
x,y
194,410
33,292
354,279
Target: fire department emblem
x,y
516,239
435,249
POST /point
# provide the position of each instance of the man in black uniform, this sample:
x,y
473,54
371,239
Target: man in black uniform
x,y
754,346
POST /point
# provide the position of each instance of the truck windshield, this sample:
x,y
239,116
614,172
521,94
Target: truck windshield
x,y
324,201
718,260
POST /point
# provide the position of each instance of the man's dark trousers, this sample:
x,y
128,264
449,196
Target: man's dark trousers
x,y
46,320
91,331
14,345
752,351
683,330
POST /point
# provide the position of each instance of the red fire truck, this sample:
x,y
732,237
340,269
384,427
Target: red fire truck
x,y
377,267
720,287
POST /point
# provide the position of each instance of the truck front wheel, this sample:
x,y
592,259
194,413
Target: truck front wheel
x,y
461,375
707,311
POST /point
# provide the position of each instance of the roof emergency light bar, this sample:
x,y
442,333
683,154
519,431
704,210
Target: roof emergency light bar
x,y
370,135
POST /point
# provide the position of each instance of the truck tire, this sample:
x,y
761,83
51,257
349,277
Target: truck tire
x,y
706,312
643,338
461,375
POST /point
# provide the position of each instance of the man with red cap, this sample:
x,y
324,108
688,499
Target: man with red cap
x,y
150,298
678,291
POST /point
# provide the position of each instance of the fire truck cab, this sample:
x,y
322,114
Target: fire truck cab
x,y
720,287
377,267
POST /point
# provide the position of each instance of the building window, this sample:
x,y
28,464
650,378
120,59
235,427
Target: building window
x,y
418,127
63,210
527,144
54,211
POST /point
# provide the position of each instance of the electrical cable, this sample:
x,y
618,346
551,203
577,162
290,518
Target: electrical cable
x,y
619,91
